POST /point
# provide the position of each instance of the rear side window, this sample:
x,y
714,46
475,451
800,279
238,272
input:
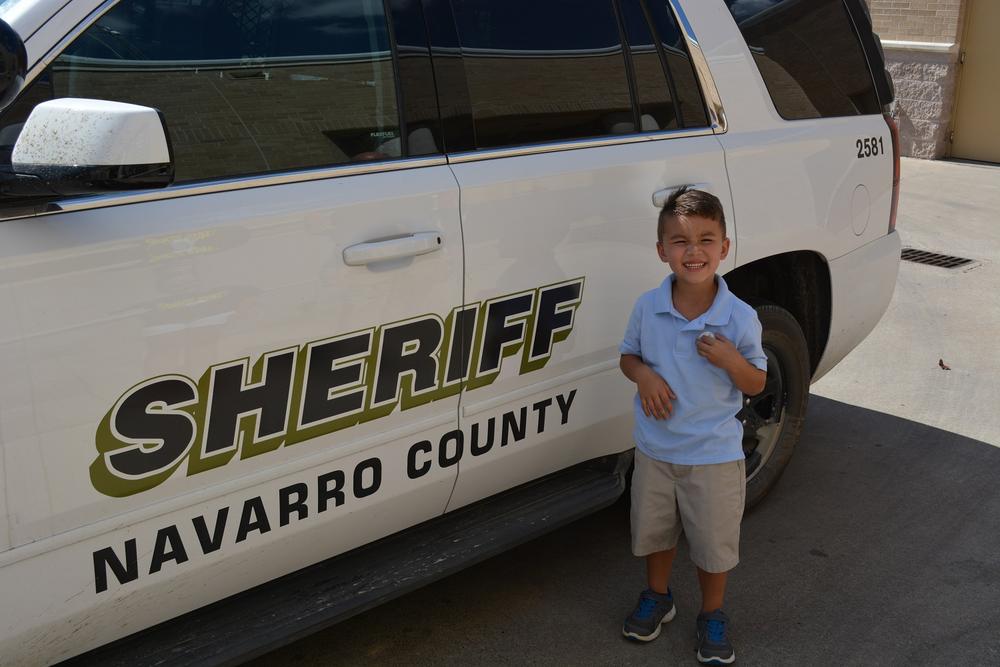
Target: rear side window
x,y
543,71
809,56
244,88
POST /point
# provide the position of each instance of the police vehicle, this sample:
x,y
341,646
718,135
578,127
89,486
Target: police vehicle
x,y
304,304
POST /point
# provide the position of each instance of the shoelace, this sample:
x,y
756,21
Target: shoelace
x,y
716,630
646,607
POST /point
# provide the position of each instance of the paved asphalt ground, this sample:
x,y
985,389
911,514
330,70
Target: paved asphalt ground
x,y
879,546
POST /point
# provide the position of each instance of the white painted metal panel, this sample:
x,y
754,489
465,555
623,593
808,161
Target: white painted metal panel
x,y
536,220
43,24
96,301
26,16
794,182
862,283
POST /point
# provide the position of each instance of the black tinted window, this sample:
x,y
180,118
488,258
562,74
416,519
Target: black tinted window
x,y
808,55
656,103
678,61
245,88
543,71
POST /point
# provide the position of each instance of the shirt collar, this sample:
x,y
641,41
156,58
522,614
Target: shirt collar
x,y
718,314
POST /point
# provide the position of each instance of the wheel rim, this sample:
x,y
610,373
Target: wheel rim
x,y
762,417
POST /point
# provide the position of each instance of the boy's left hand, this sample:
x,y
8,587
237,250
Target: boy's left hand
x,y
719,351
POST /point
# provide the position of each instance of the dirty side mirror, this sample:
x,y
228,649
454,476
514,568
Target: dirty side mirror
x,y
73,146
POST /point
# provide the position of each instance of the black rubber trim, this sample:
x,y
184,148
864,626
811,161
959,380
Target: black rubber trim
x,y
417,95
284,610
454,101
633,86
872,46
668,74
91,179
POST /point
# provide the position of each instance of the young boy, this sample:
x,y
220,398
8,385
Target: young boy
x,y
691,347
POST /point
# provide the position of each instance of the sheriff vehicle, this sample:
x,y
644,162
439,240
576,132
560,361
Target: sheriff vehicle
x,y
304,304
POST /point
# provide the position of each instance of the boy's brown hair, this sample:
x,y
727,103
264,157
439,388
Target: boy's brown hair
x,y
687,201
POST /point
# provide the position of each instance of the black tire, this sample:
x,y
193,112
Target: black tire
x,y
772,420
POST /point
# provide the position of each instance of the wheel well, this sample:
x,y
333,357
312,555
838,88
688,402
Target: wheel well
x,y
799,282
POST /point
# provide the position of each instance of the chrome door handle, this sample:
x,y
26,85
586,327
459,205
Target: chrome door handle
x,y
410,245
660,196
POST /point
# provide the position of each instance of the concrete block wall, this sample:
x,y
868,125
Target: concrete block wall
x,y
921,39
926,84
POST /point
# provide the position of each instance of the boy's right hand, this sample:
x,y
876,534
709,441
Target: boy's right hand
x,y
655,394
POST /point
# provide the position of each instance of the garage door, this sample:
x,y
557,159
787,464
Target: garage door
x,y
976,123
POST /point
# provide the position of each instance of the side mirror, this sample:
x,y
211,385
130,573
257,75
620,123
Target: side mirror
x,y
13,63
76,146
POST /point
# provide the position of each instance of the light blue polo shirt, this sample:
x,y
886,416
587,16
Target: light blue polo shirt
x,y
703,428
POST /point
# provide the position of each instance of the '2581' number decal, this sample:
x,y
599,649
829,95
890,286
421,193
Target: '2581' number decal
x,y
869,147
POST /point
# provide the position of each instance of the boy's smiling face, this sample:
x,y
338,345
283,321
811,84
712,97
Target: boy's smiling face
x,y
693,246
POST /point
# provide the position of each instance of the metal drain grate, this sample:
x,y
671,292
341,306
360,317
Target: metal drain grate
x,y
934,259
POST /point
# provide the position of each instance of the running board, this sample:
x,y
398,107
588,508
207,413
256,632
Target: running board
x,y
286,609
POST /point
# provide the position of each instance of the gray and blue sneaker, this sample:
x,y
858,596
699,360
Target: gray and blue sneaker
x,y
713,641
653,610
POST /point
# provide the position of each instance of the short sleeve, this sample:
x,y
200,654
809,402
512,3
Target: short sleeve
x,y
750,344
630,344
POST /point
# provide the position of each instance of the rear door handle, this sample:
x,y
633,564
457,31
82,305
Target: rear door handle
x,y
660,196
410,245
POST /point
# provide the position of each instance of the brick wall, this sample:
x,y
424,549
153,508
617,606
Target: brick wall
x,y
917,20
925,78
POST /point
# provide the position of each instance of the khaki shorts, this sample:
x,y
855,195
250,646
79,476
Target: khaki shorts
x,y
703,501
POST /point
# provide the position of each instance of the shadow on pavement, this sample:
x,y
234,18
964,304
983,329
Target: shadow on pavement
x,y
878,546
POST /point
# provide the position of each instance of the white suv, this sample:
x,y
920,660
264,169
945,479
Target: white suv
x,y
314,302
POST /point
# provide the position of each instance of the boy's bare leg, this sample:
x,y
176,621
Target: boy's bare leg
x,y
713,589
658,568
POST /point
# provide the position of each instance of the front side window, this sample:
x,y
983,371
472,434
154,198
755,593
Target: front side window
x,y
245,87
809,56
543,71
